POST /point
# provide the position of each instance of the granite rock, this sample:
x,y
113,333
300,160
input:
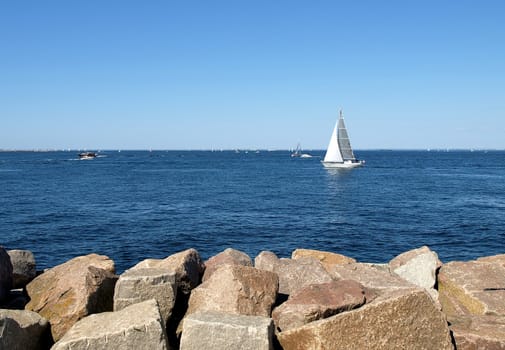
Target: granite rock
x,y
187,265
397,319
138,285
23,330
5,274
236,289
472,288
138,326
293,274
24,267
70,291
216,331
418,266
318,301
228,256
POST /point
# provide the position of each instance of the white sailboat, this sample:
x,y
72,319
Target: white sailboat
x,y
298,152
339,153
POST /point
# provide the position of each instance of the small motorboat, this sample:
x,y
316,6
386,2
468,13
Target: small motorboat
x,y
87,155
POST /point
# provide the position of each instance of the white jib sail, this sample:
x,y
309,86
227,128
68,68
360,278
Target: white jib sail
x,y
333,152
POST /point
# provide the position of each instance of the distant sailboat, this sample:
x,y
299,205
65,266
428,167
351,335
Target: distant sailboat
x,y
298,152
339,153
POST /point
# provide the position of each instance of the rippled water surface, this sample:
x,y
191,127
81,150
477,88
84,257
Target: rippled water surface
x,y
136,205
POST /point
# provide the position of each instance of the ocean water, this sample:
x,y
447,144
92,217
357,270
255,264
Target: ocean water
x,y
133,205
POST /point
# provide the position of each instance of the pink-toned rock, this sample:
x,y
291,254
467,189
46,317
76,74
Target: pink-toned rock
x,y
472,288
236,289
293,274
479,332
326,258
187,265
318,301
228,256
70,291
5,274
418,266
397,319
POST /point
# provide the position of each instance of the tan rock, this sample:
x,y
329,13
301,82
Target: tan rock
x,y
138,285
293,274
318,301
187,265
398,319
228,256
479,332
138,326
326,258
236,289
70,291
472,288
418,266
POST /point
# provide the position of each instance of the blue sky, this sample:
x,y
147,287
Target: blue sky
x,y
251,74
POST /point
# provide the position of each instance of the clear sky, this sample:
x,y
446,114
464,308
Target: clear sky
x,y
251,74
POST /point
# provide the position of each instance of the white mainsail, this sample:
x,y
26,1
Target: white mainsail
x,y
339,153
333,152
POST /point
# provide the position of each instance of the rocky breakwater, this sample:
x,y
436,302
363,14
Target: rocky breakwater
x,y
313,300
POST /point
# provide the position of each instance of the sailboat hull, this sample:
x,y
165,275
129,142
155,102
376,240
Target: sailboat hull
x,y
343,165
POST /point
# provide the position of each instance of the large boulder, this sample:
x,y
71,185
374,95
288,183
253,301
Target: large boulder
x,y
5,274
21,329
70,291
479,332
137,285
24,267
397,319
216,331
472,288
228,256
293,274
187,265
418,266
318,301
138,326
326,258
236,289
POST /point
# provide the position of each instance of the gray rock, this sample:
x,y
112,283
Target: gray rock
x,y
293,274
5,274
418,266
24,268
138,326
21,330
187,265
137,285
217,331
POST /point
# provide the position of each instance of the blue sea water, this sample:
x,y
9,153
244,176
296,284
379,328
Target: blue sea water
x,y
133,205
